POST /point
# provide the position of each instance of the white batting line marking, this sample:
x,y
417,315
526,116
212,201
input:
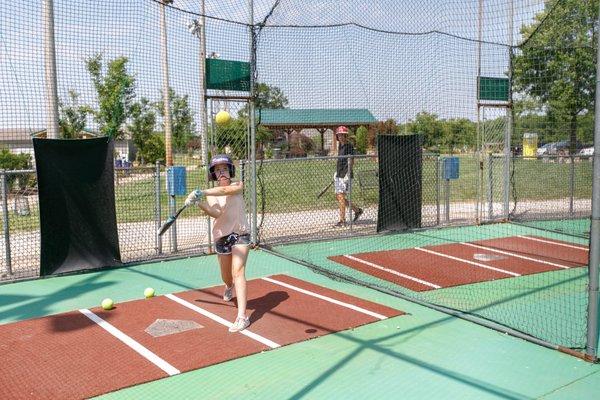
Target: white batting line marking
x,y
221,321
468,262
572,246
329,299
391,271
141,350
508,253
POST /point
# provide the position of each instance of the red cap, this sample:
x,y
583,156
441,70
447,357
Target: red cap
x,y
341,130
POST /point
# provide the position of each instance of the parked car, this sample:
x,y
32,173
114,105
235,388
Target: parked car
x,y
554,148
586,151
543,150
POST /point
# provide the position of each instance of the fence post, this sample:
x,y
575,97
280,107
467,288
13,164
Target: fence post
x,y
350,175
157,208
594,255
173,229
447,194
572,186
437,189
6,225
491,186
251,119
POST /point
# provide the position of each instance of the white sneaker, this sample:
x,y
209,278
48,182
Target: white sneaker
x,y
228,294
240,324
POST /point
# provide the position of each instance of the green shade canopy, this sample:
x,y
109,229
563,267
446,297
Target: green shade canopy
x,y
308,118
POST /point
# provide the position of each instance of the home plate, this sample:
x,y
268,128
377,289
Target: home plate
x,y
164,327
488,257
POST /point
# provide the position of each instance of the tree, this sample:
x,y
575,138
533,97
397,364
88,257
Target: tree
x,y
182,119
428,125
153,150
10,161
266,97
141,127
115,88
458,132
361,139
72,117
388,127
231,138
556,65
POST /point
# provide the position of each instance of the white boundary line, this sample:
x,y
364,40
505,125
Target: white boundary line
x,y
508,253
554,243
468,261
221,321
329,299
141,350
391,271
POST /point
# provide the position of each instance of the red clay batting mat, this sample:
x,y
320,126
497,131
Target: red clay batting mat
x,y
434,267
86,353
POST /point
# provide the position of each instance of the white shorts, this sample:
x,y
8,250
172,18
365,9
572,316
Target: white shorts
x,y
342,185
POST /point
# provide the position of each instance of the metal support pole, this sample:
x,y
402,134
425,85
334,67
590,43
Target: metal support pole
x,y
509,120
437,189
165,76
592,326
251,117
157,209
350,168
173,229
490,187
52,129
203,111
479,134
5,221
167,114
572,185
447,194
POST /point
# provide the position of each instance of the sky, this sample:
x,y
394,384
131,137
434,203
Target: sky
x,y
394,57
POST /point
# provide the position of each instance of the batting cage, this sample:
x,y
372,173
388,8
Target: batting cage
x,y
437,151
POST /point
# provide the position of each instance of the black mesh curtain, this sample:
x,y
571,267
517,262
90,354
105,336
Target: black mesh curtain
x,y
77,204
400,173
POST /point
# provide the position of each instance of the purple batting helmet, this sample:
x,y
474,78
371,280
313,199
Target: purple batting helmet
x,y
220,159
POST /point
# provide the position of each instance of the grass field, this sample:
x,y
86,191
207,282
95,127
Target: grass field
x,y
293,185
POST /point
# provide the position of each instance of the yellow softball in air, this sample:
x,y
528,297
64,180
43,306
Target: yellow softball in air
x,y
222,118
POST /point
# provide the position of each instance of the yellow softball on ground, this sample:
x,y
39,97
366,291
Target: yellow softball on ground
x,y
149,292
222,118
108,304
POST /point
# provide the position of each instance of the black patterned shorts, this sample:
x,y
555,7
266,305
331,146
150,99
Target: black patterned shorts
x,y
224,244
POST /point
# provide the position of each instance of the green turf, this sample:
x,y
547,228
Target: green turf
x,y
551,306
425,354
576,227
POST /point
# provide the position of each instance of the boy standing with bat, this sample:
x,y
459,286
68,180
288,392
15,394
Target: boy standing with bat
x,y
225,203
343,175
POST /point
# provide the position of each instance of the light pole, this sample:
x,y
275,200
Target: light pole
x,y
197,28
50,70
166,95
167,114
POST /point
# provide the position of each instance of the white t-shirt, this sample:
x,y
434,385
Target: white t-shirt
x,y
233,215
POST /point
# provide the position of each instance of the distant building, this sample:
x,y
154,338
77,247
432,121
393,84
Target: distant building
x,y
285,123
19,141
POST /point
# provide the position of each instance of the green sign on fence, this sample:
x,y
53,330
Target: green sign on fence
x,y
493,88
227,75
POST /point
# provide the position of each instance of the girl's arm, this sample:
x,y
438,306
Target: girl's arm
x,y
234,188
213,211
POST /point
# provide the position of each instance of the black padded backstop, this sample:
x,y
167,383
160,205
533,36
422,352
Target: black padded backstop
x,y
77,204
400,169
